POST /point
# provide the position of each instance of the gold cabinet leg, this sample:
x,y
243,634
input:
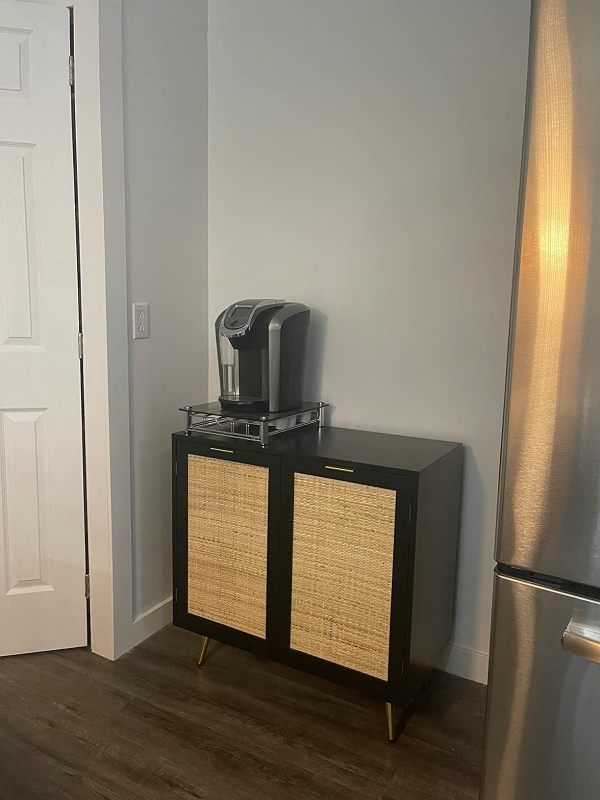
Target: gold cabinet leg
x,y
392,719
204,640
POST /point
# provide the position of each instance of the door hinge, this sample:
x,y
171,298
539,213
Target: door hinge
x,y
71,71
175,596
410,512
87,585
175,468
80,344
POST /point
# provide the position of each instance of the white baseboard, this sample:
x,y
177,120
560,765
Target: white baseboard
x,y
465,662
455,659
151,621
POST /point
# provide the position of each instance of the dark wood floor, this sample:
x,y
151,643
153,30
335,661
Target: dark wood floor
x,y
152,725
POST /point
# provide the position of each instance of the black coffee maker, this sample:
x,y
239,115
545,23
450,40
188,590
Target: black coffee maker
x,y
261,347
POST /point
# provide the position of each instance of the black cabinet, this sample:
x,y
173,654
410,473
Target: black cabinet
x,y
333,551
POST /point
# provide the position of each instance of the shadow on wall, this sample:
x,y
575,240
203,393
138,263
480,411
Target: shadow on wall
x,y
474,565
313,369
473,556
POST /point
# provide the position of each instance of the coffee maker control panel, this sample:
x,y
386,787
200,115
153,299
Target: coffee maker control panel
x,y
240,316
237,317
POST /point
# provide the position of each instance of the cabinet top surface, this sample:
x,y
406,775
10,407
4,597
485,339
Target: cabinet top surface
x,y
383,450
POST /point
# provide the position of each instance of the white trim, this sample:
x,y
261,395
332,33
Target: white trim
x,y
465,662
117,536
152,620
101,182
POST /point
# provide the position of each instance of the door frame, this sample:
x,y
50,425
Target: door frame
x,y
97,43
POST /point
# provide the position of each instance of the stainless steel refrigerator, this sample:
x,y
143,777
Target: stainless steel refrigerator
x,y
543,721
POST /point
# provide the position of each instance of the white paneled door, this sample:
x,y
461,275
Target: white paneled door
x,y
42,546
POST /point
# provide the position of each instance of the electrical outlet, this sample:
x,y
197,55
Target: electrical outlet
x,y
141,320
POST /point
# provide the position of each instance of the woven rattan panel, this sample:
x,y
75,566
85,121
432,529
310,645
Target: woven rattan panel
x,y
227,542
342,572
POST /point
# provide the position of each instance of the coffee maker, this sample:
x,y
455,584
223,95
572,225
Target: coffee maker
x,y
261,347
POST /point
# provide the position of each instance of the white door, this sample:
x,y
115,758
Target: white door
x,y
42,547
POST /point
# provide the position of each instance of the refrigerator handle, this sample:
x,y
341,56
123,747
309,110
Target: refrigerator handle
x,y
582,646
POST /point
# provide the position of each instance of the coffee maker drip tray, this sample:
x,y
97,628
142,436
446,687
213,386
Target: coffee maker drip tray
x,y
260,427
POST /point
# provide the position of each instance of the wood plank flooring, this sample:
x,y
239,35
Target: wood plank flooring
x,y
152,725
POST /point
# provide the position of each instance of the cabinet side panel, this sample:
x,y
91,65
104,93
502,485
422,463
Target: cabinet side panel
x,y
438,510
227,542
343,541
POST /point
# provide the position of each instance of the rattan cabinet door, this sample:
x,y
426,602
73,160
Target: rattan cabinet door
x,y
342,559
227,525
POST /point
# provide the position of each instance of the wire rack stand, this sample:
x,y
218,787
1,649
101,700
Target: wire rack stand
x,y
211,419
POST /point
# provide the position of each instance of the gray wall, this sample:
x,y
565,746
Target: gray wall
x,y
364,159
165,127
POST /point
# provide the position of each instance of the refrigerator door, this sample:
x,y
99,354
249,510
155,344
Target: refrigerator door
x,y
543,717
550,509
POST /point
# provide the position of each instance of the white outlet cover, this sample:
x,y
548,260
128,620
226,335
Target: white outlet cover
x,y
140,320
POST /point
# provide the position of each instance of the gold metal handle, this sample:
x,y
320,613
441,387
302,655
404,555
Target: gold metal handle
x,y
221,450
582,646
339,469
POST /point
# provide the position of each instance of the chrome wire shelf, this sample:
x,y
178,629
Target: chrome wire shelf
x,y
210,419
